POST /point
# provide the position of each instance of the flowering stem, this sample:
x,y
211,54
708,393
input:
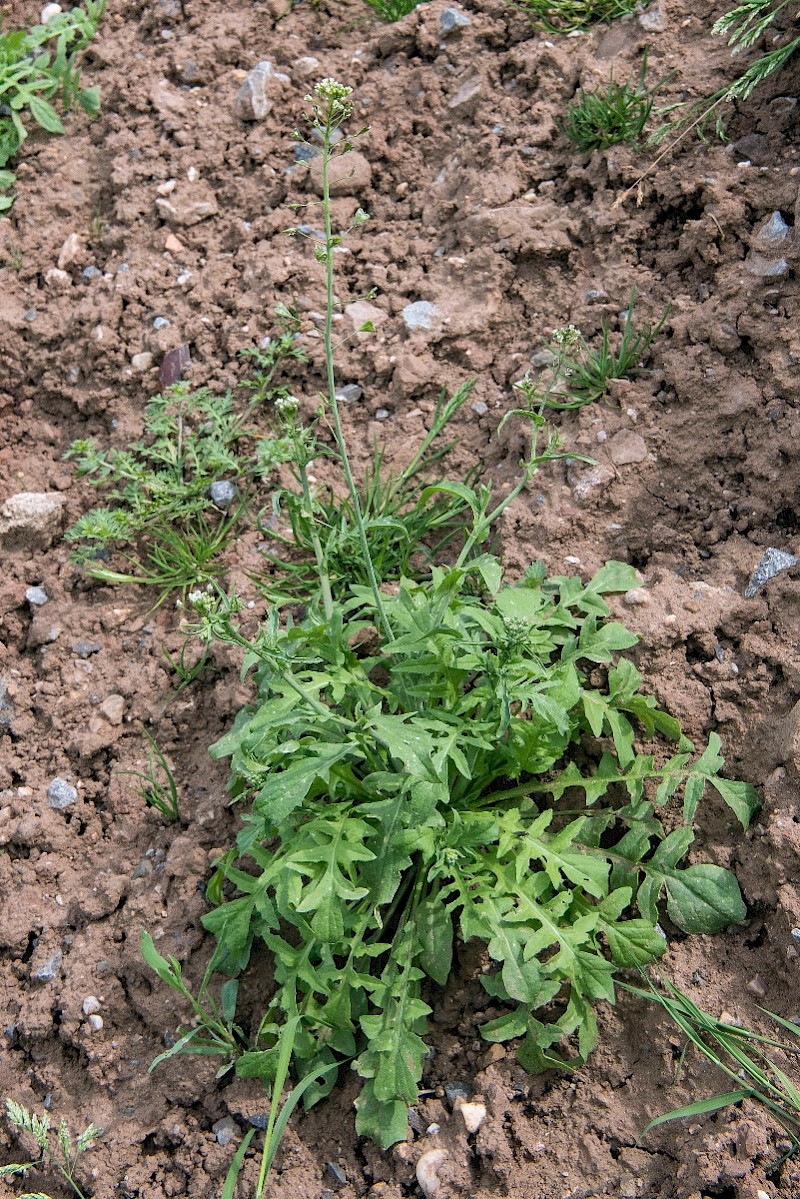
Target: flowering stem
x,y
330,117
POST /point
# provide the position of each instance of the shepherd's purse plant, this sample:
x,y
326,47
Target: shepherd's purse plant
x,y
427,762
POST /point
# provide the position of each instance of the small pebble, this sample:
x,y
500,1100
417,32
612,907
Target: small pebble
x,y
349,394
47,972
91,272
452,19
85,649
305,153
175,362
95,1023
60,794
160,322
259,1122
381,414
49,11
30,315
420,314
767,268
637,597
773,562
427,1172
457,1090
473,1115
479,408
36,596
225,1130
335,1173
91,1004
774,231
223,493
432,1130
143,361
143,868
757,988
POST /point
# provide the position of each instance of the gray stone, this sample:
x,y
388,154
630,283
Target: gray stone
x,y
253,103
773,562
143,868
225,1130
653,19
335,1173
453,19
258,1121
351,393
160,322
304,153
36,596
48,971
767,268
91,272
467,95
419,315
85,649
382,414
753,147
457,1090
222,493
31,519
61,794
30,315
6,706
774,231
479,408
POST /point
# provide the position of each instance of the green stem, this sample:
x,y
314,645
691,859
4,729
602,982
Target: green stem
x,y
331,381
322,569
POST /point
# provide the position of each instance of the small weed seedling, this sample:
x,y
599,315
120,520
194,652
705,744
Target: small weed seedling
x,y
157,785
612,114
57,1150
580,375
448,759
571,16
743,1055
179,493
37,67
393,10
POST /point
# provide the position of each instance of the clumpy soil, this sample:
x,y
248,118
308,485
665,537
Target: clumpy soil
x,y
479,206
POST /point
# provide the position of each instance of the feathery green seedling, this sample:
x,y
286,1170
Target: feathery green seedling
x,y
62,1155
612,114
740,1053
157,785
38,66
569,16
169,525
580,375
448,759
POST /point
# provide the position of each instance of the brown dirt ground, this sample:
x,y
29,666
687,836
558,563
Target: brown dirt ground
x,y
480,205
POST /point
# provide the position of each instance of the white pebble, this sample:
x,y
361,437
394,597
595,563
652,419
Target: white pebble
x,y
473,1115
428,1168
91,1005
49,10
95,1023
636,597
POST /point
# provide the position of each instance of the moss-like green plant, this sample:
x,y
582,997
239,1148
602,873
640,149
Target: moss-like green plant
x,y
569,16
617,112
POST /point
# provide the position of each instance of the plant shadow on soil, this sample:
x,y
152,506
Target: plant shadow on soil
x,y
479,206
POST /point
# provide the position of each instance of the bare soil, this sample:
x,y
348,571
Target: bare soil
x,y
479,205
